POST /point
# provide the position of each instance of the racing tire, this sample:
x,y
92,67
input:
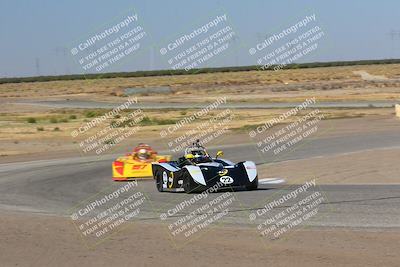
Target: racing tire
x,y
253,185
159,182
188,184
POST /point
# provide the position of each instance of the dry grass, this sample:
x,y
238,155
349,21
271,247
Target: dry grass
x,y
333,83
17,136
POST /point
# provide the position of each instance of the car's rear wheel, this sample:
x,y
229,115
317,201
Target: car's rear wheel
x,y
253,185
159,182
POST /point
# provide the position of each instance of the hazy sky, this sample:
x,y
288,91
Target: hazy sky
x,y
37,36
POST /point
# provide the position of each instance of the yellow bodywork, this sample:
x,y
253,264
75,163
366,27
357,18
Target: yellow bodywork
x,y
129,167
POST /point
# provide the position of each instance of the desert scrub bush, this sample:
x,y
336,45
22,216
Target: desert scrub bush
x,y
93,113
72,117
164,121
31,120
90,114
146,121
40,129
114,124
53,120
123,123
110,142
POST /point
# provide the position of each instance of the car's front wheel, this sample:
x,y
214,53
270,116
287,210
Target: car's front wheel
x,y
188,184
253,185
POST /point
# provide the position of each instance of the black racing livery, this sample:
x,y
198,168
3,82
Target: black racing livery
x,y
196,171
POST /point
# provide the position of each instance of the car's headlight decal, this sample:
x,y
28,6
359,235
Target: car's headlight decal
x,y
251,170
196,174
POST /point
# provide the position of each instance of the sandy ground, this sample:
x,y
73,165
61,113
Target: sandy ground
x,y
33,240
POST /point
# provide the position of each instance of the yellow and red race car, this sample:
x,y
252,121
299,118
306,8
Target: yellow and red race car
x,y
137,164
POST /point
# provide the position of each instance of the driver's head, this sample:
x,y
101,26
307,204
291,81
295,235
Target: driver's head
x,y
143,154
199,156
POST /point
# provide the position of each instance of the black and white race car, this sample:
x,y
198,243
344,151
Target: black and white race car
x,y
196,171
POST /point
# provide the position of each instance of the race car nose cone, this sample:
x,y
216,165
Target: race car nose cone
x,y
119,167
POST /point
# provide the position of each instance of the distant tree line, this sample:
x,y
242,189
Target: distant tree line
x,y
192,71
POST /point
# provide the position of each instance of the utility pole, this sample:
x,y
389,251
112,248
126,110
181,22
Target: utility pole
x,y
394,35
234,41
151,58
37,64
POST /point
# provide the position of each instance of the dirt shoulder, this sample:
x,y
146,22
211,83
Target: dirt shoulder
x,y
34,240
25,143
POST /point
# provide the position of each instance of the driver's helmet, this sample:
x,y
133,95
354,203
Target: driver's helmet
x,y
200,156
143,154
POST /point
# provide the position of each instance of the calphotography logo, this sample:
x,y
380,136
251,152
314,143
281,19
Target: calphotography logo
x,y
291,44
102,49
198,46
106,213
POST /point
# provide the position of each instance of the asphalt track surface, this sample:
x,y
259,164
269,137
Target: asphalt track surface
x,y
56,186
